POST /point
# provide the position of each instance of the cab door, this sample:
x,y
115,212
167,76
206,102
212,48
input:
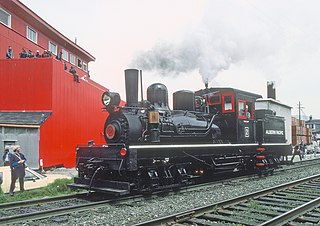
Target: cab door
x,y
245,121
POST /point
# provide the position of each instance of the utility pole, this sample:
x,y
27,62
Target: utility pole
x,y
300,107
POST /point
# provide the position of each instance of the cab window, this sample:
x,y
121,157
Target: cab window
x,y
249,110
214,99
242,109
227,103
245,109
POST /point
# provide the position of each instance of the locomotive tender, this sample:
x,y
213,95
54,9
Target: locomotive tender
x,y
150,147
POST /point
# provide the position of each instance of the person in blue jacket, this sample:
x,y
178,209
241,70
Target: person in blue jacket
x,y
17,164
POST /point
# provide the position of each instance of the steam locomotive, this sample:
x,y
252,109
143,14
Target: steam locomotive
x,y
150,147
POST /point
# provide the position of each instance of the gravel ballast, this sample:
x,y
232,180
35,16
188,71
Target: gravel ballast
x,y
154,207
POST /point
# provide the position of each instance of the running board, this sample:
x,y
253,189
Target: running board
x,y
105,186
110,191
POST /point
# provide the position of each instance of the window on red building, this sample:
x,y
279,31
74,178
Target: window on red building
x,y
5,18
85,67
72,59
53,48
64,55
32,34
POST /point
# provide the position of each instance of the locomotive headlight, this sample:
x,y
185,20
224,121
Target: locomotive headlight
x,y
110,99
106,99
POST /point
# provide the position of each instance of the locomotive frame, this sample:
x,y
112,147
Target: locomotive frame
x,y
209,132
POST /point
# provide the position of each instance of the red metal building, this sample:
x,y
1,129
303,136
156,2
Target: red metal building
x,y
42,85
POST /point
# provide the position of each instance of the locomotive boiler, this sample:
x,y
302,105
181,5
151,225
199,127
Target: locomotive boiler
x,y
150,147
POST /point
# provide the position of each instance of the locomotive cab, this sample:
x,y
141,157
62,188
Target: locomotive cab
x,y
236,107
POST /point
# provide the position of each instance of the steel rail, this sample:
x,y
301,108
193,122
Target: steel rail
x,y
292,214
61,211
42,200
176,218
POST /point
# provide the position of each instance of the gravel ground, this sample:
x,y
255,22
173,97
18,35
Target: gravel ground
x,y
140,211
72,172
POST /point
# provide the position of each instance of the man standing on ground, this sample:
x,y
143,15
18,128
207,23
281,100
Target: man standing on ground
x,y
17,164
296,151
6,157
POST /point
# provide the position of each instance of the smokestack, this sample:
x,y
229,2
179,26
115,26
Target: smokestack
x,y
271,90
132,79
141,87
206,84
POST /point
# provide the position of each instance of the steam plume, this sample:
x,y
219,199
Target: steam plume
x,y
225,36
205,52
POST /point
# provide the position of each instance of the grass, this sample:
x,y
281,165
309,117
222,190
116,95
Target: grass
x,y
58,187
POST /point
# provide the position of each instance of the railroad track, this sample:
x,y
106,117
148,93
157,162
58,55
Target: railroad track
x,y
18,212
56,206
293,203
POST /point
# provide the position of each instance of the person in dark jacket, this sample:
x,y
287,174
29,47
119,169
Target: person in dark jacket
x,y
30,54
59,56
75,75
17,164
5,157
38,55
296,151
23,53
9,53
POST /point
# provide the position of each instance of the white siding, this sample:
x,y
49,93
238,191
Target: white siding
x,y
281,110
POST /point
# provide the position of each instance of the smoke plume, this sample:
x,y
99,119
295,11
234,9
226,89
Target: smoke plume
x,y
225,36
202,51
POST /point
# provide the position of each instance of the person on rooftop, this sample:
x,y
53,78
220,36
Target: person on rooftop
x,y
45,53
30,54
59,56
38,54
75,76
23,53
9,53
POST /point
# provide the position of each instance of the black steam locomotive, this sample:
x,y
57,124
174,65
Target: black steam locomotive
x,y
150,147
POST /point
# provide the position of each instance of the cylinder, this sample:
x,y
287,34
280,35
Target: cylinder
x,y
131,80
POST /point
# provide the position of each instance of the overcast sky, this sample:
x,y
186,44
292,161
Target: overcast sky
x,y
182,43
